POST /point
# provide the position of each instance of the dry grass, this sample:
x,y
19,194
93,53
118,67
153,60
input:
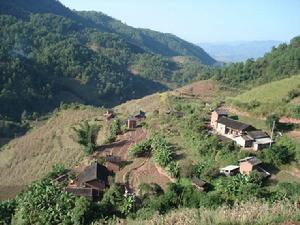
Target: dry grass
x,y
249,213
31,156
148,104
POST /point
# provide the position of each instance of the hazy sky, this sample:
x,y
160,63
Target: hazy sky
x,y
205,20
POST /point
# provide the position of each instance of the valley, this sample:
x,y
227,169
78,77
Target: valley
x,y
106,123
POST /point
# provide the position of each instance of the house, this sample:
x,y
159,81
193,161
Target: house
x,y
89,193
131,123
215,115
244,141
250,164
91,182
261,139
140,115
232,127
230,170
201,185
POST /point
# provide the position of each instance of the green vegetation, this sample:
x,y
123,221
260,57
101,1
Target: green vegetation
x,y
253,212
161,151
274,97
115,128
141,149
86,135
280,153
7,209
66,56
281,62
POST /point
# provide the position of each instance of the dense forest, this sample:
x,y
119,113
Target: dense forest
x,y
50,54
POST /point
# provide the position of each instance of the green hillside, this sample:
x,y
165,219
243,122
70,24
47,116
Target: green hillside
x,y
283,61
175,148
50,54
279,97
156,42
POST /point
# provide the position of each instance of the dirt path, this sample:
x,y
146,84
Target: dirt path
x,y
294,134
289,120
141,170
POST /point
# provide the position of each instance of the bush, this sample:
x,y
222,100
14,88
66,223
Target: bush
x,y
173,169
282,152
87,135
141,149
44,202
7,209
239,188
57,170
161,150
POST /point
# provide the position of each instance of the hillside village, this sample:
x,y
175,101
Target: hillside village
x,y
94,179
105,123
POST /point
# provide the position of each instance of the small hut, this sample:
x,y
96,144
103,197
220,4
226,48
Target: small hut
x,y
131,123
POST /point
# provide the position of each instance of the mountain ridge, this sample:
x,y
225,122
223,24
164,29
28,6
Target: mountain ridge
x,y
236,51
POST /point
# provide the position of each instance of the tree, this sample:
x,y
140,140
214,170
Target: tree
x,y
80,211
7,210
44,202
271,119
87,135
282,152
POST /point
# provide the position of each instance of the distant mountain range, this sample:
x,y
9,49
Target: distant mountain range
x,y
238,51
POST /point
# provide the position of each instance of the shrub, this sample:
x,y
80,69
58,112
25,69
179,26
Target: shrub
x,y
282,152
173,169
87,135
140,149
7,209
44,202
56,171
114,129
161,150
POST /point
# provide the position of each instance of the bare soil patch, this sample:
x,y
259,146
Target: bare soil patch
x,y
9,192
147,173
289,120
123,143
294,134
202,89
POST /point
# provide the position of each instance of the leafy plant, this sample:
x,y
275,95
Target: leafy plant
x,y
141,149
7,210
87,135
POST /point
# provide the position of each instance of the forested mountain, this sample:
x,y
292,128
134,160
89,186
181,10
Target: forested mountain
x,y
238,51
283,61
50,54
156,42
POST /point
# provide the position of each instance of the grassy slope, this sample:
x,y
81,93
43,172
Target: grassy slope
x,y
270,96
249,213
31,156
